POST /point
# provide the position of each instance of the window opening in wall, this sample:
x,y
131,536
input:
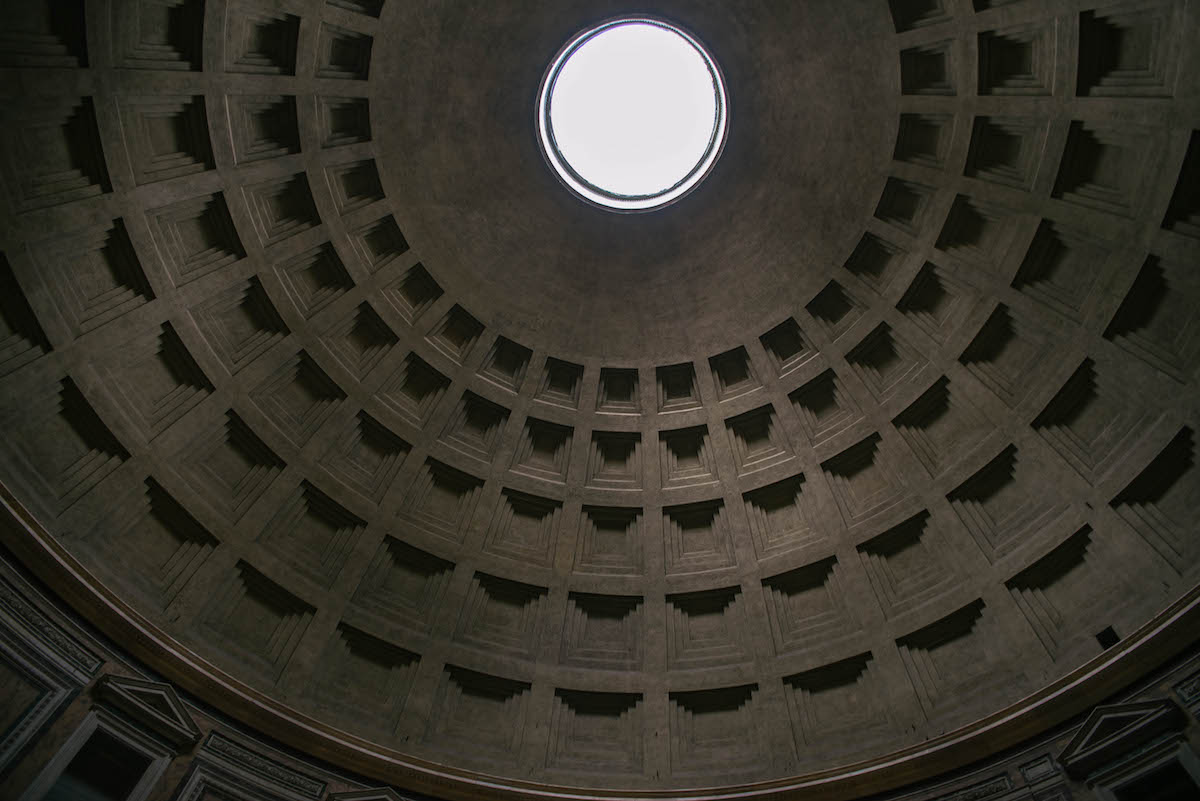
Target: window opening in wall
x,y
1169,783
632,114
104,769
1107,638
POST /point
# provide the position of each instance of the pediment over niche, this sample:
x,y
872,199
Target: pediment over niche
x,y
152,704
1114,730
377,794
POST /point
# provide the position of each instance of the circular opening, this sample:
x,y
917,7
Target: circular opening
x,y
632,114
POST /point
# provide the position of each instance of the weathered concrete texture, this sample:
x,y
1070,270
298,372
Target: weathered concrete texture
x,y
308,360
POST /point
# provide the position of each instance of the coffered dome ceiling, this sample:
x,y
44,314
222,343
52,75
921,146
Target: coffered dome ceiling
x,y
323,397
814,94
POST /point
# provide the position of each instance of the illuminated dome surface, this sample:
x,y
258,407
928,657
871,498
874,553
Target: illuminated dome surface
x,y
632,114
325,399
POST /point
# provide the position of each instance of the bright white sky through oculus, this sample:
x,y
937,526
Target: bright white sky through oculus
x,y
633,109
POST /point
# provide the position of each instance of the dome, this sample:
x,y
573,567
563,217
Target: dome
x,y
872,455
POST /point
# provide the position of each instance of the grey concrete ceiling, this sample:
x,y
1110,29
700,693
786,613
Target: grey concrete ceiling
x,y
814,92
339,411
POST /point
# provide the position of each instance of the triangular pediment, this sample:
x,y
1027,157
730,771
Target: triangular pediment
x,y
1109,726
377,794
1115,729
155,705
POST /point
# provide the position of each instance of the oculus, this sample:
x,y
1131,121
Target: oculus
x,y
632,114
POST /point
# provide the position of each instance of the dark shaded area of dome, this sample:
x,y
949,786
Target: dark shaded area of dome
x,y
871,458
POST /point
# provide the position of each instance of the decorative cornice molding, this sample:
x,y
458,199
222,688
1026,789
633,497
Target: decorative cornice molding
x,y
977,792
241,759
47,631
